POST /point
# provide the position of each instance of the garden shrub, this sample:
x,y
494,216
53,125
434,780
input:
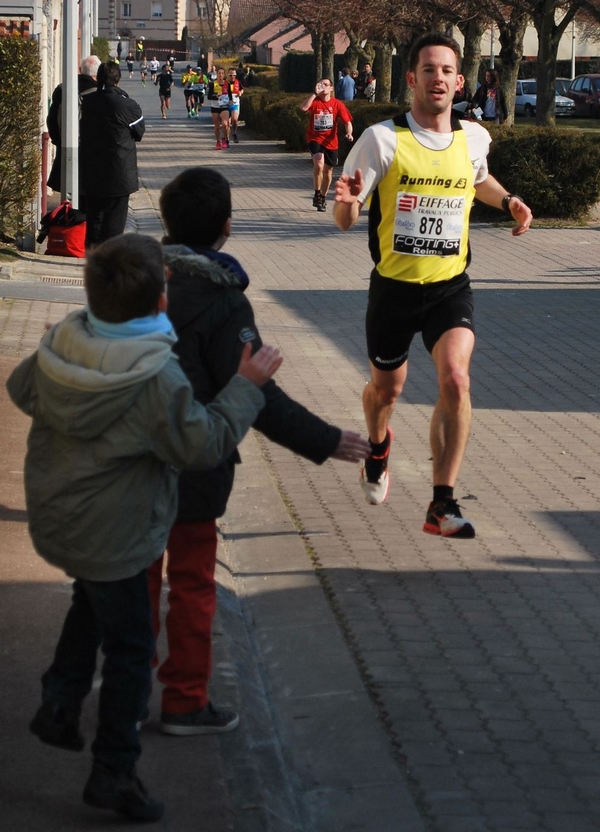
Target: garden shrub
x,y
19,136
100,48
556,171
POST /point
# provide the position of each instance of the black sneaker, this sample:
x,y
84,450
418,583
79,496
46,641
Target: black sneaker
x,y
316,198
375,477
209,720
235,138
444,518
322,204
58,726
121,792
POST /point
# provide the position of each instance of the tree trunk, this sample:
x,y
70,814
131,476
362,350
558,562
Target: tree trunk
x,y
549,35
471,31
328,52
511,35
383,72
317,45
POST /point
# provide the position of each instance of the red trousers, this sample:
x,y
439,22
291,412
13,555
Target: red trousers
x,y
191,558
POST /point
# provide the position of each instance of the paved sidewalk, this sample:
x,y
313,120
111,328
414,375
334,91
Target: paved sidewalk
x,y
389,681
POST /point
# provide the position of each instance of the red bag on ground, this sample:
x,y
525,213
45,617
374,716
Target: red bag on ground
x,y
65,228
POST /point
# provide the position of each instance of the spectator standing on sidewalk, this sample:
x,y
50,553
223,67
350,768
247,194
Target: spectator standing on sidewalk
x,y
491,99
86,85
213,319
113,418
111,124
322,136
422,171
345,89
363,80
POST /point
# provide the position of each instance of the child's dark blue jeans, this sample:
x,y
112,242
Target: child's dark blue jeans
x,y
116,616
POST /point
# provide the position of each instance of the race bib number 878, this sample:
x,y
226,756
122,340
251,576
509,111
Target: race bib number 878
x,y
428,225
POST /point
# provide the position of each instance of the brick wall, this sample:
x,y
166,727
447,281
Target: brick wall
x,y
18,27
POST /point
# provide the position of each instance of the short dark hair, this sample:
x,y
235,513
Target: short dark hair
x,y
124,278
195,207
108,74
433,39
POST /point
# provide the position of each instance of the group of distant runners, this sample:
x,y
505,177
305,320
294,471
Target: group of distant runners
x,y
222,89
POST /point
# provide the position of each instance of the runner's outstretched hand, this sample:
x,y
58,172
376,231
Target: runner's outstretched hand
x,y
347,188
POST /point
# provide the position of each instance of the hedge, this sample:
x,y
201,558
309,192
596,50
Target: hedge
x,y
19,135
556,171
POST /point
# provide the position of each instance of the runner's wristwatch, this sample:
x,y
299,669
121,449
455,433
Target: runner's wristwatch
x,y
507,199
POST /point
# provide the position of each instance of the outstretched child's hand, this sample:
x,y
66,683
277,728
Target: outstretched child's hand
x,y
351,447
261,366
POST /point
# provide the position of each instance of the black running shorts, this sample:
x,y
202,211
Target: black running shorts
x,y
396,311
331,156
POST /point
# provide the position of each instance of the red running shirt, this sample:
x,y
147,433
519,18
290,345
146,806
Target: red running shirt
x,y
322,125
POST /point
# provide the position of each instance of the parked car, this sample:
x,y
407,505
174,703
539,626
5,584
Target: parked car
x,y
526,98
562,85
585,93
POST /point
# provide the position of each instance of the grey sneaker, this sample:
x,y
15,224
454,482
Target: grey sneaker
x,y
209,720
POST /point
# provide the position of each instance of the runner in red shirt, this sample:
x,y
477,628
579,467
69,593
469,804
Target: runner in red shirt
x,y
322,138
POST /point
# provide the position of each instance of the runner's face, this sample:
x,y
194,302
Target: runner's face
x,y
326,91
435,80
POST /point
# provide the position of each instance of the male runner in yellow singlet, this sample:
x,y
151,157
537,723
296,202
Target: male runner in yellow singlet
x,y
422,171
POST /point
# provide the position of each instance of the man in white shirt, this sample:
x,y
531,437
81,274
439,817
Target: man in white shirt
x,y
422,170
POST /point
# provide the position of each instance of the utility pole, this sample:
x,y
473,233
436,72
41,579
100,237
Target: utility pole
x,y
86,28
69,182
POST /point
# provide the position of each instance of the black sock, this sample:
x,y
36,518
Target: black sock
x,y
379,448
442,492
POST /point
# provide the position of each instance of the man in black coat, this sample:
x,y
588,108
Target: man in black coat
x,y
86,84
111,124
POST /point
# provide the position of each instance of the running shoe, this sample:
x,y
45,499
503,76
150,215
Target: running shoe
x,y
322,205
210,720
316,200
375,477
219,146
190,114
225,143
444,518
235,138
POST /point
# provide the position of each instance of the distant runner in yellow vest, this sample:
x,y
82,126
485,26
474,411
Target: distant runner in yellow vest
x,y
422,171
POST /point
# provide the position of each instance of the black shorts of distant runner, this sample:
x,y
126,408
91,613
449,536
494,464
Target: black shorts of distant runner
x,y
330,156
